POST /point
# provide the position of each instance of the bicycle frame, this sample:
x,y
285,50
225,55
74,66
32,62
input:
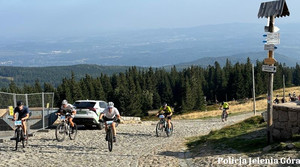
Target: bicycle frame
x,y
109,134
19,134
64,128
162,125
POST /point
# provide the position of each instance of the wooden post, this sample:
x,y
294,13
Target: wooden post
x,y
254,103
283,88
270,88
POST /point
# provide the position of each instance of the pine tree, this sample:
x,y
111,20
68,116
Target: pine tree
x,y
75,89
100,94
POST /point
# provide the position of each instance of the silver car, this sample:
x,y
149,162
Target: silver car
x,y
88,112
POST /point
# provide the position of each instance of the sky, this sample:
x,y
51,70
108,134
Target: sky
x,y
82,17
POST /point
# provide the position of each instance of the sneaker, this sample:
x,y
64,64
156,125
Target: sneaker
x,y
114,139
25,137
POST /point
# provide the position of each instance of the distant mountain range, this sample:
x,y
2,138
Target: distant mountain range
x,y
156,48
55,74
241,58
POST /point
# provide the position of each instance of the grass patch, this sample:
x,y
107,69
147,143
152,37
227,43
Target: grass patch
x,y
246,136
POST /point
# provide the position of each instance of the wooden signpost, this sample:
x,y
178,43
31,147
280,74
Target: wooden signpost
x,y
271,10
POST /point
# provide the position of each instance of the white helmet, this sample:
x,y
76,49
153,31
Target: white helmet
x,y
110,104
64,102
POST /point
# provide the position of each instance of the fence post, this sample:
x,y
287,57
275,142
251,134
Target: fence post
x,y
15,100
43,115
26,99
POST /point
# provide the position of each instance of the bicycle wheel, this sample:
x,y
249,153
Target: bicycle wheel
x,y
73,132
60,132
110,139
159,129
18,137
169,133
100,126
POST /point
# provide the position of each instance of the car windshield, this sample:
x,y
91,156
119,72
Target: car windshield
x,y
84,104
103,104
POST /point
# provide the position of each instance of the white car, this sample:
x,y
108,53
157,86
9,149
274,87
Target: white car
x,y
88,112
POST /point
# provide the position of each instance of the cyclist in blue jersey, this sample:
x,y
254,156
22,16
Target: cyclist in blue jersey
x,y
23,114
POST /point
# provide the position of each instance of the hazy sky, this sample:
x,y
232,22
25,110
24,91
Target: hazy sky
x,y
71,17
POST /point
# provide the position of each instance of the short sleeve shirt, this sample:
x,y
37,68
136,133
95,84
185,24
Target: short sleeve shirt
x,y
22,113
168,110
112,114
68,109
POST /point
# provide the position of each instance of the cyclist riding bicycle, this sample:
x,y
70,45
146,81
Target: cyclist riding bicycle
x,y
67,108
225,107
167,112
111,113
23,115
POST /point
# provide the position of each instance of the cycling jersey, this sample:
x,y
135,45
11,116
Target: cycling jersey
x,y
21,113
112,114
226,105
168,110
68,109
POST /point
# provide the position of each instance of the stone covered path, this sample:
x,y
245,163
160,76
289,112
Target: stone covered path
x,y
136,145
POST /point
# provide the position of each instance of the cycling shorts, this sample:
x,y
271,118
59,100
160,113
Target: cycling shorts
x,y
168,116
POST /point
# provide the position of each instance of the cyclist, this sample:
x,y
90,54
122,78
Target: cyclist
x,y
23,114
225,107
67,108
167,112
276,101
111,113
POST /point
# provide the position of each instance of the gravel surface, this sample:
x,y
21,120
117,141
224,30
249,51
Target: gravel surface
x,y
136,145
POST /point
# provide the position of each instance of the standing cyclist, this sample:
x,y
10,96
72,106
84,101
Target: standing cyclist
x,y
111,113
225,107
68,108
23,114
167,112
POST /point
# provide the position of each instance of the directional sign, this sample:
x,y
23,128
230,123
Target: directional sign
x,y
269,61
272,38
268,68
276,29
270,47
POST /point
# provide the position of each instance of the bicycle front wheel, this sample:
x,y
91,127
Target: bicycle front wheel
x,y
159,129
18,137
110,139
73,132
60,132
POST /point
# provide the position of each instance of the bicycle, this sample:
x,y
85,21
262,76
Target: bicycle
x,y
64,129
224,115
162,125
110,134
19,135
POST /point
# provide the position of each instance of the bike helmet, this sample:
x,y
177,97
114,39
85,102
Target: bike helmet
x,y
64,102
165,104
110,104
20,103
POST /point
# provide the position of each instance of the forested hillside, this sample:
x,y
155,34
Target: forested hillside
x,y
53,74
136,91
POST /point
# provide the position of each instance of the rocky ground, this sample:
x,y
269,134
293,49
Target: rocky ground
x,y
136,145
